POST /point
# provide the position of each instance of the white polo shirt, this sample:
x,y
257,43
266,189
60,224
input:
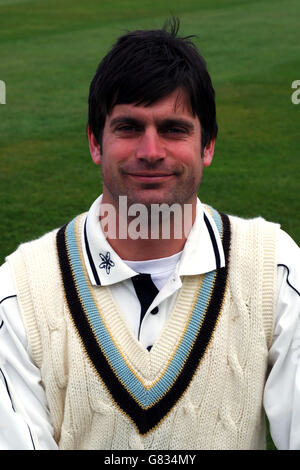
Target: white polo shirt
x,y
24,416
165,272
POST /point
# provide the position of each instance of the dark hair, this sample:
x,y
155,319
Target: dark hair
x,y
145,66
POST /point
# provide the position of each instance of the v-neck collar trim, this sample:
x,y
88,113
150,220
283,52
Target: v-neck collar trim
x,y
145,385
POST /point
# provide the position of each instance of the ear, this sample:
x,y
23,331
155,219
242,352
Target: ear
x,y
94,147
209,152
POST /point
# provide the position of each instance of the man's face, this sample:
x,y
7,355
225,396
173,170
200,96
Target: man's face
x,y
152,154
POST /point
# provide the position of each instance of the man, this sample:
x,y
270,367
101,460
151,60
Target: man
x,y
116,336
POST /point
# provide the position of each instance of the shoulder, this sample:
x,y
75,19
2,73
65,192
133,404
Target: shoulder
x,y
248,221
31,251
288,252
49,239
257,228
17,265
260,230
242,221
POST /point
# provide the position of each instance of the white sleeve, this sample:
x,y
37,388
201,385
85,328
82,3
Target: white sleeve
x,y
282,389
24,416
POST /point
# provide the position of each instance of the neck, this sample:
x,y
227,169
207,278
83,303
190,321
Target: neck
x,y
151,234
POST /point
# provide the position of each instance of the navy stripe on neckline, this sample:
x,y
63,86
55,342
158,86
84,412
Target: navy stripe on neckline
x,y
144,418
213,240
2,300
8,297
287,278
88,252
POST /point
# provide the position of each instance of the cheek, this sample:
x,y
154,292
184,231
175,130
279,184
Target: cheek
x,y
190,158
117,148
187,150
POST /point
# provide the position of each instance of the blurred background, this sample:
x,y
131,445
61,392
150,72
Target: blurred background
x,y
49,51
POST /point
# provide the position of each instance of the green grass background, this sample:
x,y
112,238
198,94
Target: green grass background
x,y
49,51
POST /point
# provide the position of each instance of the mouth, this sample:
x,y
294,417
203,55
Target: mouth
x,y
145,177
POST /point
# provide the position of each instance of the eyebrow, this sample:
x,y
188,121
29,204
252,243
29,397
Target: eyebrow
x,y
161,123
125,119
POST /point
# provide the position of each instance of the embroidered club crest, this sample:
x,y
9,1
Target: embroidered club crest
x,y
107,263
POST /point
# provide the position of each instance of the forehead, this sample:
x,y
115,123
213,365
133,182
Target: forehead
x,y
174,105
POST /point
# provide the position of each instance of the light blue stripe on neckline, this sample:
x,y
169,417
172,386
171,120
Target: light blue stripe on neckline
x,y
145,397
217,220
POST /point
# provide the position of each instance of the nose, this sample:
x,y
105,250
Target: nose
x,y
150,147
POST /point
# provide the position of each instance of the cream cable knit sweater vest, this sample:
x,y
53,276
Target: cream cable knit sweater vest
x,y
200,386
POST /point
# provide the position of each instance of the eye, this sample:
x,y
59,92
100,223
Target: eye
x,y
175,132
125,128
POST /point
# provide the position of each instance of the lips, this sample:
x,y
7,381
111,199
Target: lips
x,y
150,177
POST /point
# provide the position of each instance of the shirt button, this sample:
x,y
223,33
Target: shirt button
x,y
154,311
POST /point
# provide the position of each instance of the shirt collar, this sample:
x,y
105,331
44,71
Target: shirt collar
x,y
203,250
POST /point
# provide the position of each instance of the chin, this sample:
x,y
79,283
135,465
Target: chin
x,y
150,199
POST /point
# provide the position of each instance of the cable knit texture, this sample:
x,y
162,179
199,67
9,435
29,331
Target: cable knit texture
x,y
222,406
